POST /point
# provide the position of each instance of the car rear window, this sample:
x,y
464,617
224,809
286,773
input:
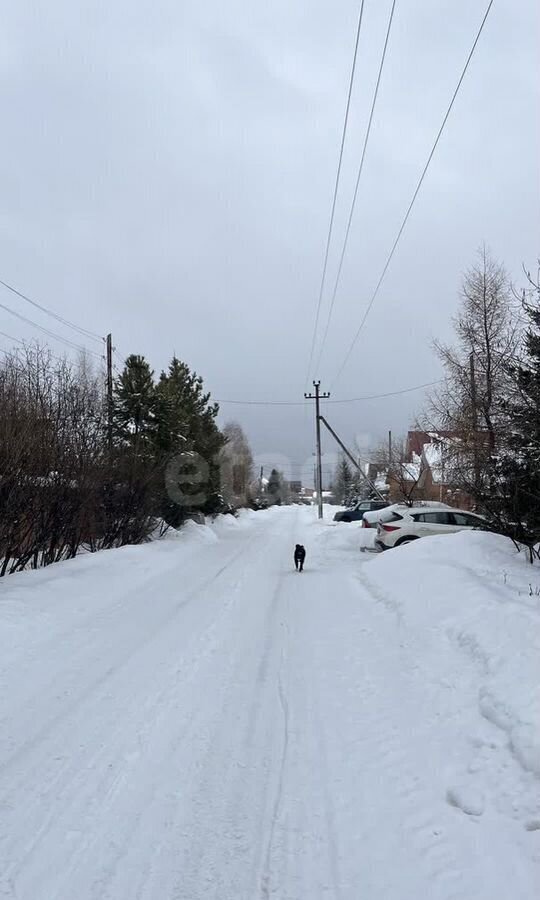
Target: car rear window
x,y
395,517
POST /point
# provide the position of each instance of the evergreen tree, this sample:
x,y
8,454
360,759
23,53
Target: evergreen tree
x,y
158,422
134,405
276,487
359,488
343,481
186,422
514,498
189,415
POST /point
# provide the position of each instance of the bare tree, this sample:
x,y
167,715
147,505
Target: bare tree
x,y
470,407
236,462
59,488
403,473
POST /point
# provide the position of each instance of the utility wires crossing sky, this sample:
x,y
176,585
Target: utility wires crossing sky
x,y
336,188
413,200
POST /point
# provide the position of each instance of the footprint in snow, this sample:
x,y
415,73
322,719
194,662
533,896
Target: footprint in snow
x,y
466,798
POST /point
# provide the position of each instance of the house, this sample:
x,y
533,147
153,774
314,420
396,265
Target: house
x,y
295,487
327,496
429,470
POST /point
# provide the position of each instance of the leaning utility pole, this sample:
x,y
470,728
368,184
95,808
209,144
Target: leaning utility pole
x,y
348,453
109,393
317,396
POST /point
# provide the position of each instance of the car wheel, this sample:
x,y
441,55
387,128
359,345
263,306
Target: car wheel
x,y
406,540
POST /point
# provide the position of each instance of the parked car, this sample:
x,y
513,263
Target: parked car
x,y
372,518
407,525
357,511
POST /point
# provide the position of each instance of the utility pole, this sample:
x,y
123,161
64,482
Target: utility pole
x,y
317,396
261,481
109,393
474,422
389,451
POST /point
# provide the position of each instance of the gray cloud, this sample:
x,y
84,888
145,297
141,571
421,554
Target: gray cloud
x,y
166,173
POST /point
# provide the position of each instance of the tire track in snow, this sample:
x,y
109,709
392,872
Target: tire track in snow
x,y
227,807
111,783
301,858
77,700
331,826
265,879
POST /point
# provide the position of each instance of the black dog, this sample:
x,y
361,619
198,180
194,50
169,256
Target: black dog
x,y
299,557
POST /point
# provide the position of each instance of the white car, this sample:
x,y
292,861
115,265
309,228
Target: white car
x,y
415,522
372,519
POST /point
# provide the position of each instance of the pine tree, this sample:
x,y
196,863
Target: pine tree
x,y
275,487
186,422
191,416
134,405
515,491
359,489
343,481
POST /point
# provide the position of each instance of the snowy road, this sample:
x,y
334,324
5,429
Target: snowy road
x,y
192,719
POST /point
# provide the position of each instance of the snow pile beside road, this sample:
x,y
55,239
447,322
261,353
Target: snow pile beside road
x,y
470,604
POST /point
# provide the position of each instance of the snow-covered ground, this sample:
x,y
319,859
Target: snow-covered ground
x,y
192,719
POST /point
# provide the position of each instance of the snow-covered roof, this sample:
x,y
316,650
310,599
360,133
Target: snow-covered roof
x,y
438,455
411,471
435,456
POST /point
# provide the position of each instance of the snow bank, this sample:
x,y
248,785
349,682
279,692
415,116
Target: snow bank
x,y
470,602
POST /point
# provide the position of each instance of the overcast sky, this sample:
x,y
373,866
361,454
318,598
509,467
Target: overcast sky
x,y
167,171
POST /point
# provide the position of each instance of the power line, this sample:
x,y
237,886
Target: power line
x,y
83,331
26,345
408,390
416,192
47,331
11,338
336,187
121,356
358,178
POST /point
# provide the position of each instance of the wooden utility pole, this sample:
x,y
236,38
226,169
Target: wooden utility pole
x,y
389,451
317,396
474,422
109,393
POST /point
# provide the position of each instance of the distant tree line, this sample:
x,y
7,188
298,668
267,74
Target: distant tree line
x,y
70,481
